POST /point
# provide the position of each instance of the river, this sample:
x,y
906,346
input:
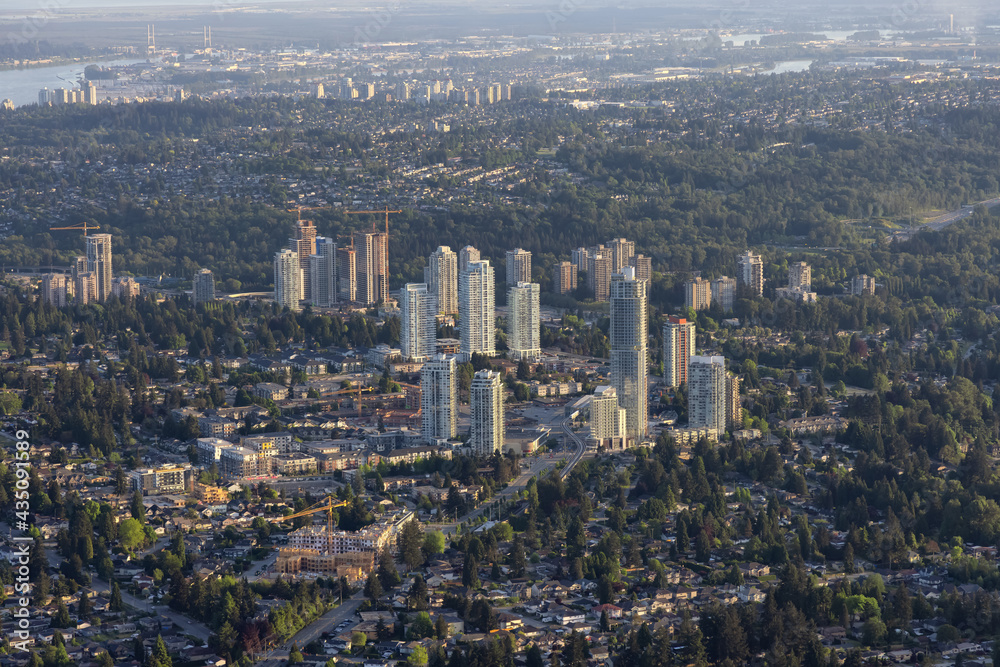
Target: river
x,y
22,85
787,66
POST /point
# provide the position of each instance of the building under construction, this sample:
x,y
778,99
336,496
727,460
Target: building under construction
x,y
319,549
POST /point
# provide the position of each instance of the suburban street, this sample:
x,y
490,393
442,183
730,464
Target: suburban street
x,y
103,588
315,630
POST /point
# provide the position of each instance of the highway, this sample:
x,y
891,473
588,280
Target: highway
x,y
581,447
537,467
943,221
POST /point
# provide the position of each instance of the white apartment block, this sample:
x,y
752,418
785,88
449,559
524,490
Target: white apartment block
x,y
441,276
707,392
209,450
418,332
862,285
287,279
751,273
487,433
242,462
607,419
629,360
439,398
518,266
724,292
203,287
622,252
523,337
477,310
466,256
54,289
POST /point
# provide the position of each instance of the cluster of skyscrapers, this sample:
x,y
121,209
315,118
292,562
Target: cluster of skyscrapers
x,y
600,263
90,279
465,284
314,269
700,293
435,91
713,395
86,94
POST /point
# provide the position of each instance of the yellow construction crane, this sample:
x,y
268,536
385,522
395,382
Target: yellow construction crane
x,y
326,505
386,211
299,209
83,225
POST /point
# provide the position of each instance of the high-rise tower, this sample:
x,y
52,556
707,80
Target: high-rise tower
x,y
203,287
287,279
441,276
372,267
629,363
477,312
418,331
678,346
99,263
347,274
323,274
518,266
439,398
751,273
707,392
467,255
304,244
523,336
486,406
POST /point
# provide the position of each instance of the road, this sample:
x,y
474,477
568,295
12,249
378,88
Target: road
x,y
537,467
943,221
334,617
581,447
103,587
325,623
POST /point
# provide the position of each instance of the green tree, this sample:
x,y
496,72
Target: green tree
x,y
433,543
137,509
411,539
418,657
517,558
61,618
373,589
131,534
387,573
115,603
421,627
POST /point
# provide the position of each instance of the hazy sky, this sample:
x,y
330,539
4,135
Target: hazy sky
x,y
7,6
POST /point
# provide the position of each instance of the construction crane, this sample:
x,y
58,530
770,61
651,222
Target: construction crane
x,y
83,225
386,212
326,505
298,209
